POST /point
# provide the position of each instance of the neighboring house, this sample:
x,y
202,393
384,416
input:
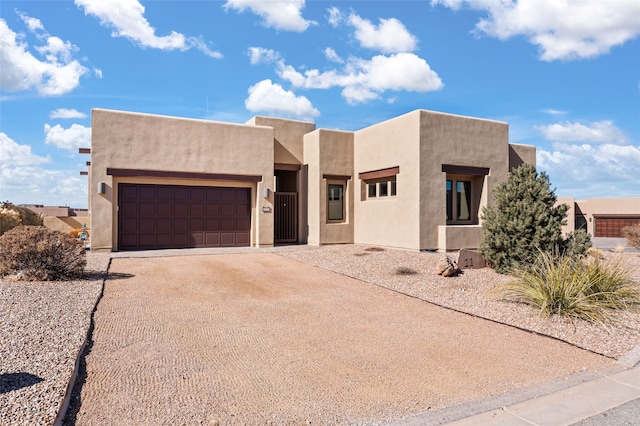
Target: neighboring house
x,y
602,217
417,181
61,218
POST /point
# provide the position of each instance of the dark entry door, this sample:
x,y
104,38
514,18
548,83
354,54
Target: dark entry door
x,y
176,216
285,217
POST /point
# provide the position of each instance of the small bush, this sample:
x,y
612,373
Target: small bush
x,y
36,253
577,244
12,216
75,233
569,286
632,234
404,270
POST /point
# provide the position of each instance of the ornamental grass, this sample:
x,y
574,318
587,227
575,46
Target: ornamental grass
x,y
588,289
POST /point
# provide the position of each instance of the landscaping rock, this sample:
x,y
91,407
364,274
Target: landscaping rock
x,y
447,267
471,259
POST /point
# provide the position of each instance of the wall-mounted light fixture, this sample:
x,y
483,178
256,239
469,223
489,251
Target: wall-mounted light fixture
x,y
265,193
102,188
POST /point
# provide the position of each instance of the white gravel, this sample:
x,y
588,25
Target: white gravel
x,y
43,326
469,292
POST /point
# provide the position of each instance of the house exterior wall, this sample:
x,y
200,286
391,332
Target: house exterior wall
x,y
459,141
147,142
520,154
592,207
65,224
329,158
389,221
287,137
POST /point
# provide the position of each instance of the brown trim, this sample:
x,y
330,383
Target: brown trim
x,y
465,170
288,167
182,175
336,177
83,173
84,150
617,216
377,174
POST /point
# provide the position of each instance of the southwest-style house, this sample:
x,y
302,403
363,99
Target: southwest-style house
x,y
417,181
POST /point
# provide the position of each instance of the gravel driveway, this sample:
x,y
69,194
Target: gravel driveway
x,y
264,339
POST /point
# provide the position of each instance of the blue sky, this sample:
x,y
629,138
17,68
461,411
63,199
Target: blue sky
x,y
565,75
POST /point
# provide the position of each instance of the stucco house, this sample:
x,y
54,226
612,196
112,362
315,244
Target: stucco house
x,y
417,181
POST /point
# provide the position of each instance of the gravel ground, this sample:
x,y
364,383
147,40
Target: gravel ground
x,y
469,293
43,326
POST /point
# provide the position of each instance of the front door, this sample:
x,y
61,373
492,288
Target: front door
x,y
285,217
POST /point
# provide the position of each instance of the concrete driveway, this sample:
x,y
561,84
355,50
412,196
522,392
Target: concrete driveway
x,y
262,339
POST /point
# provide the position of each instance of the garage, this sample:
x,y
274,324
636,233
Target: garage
x,y
176,216
611,225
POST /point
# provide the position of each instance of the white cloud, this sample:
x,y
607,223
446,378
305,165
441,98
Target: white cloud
x,y
570,29
58,73
390,36
335,16
583,170
266,96
278,14
67,113
126,18
332,56
260,55
24,180
363,80
97,72
596,132
554,111
77,136
34,24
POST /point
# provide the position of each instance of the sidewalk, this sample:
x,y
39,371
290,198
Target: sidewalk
x,y
581,397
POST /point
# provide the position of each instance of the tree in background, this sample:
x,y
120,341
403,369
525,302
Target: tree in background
x,y
13,216
525,221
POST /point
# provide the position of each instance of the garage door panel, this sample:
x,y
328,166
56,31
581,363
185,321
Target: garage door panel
x,y
165,216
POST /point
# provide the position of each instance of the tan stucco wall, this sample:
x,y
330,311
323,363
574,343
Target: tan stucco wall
x,y
520,154
570,225
389,221
459,141
455,237
149,142
287,136
329,152
65,224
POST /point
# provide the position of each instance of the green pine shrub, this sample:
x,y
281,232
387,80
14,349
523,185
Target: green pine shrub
x,y
525,220
36,253
573,287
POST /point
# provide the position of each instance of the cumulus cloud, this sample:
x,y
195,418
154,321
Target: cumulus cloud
x,y
283,15
53,72
260,55
76,136
67,113
563,30
332,56
363,80
335,16
126,18
24,180
580,170
390,36
596,132
269,97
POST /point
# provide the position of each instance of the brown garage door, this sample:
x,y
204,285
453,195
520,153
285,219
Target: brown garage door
x,y
611,226
173,216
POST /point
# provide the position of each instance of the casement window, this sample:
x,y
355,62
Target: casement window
x,y
380,183
463,191
335,211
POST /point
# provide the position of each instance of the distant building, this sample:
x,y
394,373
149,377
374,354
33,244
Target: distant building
x,y
61,218
601,217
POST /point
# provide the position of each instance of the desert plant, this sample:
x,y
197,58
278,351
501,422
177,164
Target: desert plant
x,y
632,234
404,270
523,220
12,216
577,244
37,253
569,286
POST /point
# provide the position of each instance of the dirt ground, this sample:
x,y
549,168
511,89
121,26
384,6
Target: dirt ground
x,y
263,339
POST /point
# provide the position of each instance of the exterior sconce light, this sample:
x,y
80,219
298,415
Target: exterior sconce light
x,y
102,188
265,193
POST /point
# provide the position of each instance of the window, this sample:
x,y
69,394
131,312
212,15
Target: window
x,y
372,189
462,203
336,202
382,188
